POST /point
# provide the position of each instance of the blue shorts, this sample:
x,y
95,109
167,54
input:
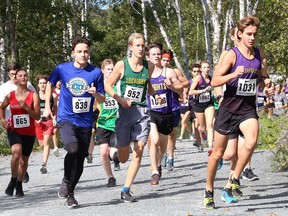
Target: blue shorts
x,y
176,118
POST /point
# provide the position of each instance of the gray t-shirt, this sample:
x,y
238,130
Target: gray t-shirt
x,y
279,100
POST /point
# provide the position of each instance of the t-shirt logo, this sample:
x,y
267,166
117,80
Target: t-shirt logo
x,y
77,86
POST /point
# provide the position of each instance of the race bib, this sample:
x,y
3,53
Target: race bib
x,y
81,104
155,104
42,112
21,121
110,103
133,93
246,87
278,104
204,97
260,100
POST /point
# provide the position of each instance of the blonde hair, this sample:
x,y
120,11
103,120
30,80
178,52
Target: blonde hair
x,y
106,62
135,36
248,21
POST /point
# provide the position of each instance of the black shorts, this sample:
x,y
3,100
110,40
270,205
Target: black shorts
x,y
71,133
163,121
192,115
227,123
199,109
184,109
27,142
95,117
106,136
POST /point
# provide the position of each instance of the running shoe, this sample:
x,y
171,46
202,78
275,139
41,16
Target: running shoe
x,y
116,164
227,196
220,164
126,196
180,138
209,200
26,177
192,138
236,189
10,188
164,161
111,182
170,164
89,158
43,169
71,201
19,189
64,189
56,152
249,175
155,179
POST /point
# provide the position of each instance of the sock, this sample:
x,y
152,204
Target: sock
x,y
125,189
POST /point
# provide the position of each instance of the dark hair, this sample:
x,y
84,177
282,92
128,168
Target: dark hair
x,y
20,69
168,51
14,66
153,45
248,21
233,28
79,39
41,76
194,65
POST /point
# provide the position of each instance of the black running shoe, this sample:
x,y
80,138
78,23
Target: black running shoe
x,y
111,182
236,189
26,178
116,163
127,196
10,188
64,189
249,175
209,200
71,201
19,189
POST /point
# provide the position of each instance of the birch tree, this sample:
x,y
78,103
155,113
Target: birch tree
x,y
181,33
164,34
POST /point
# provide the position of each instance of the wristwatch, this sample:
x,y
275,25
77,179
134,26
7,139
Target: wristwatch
x,y
219,97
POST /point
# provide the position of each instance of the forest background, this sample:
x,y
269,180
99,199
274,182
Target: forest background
x,y
37,33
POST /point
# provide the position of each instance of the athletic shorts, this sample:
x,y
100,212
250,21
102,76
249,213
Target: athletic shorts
x,y
44,128
132,124
176,118
106,136
199,109
27,142
184,109
71,133
163,121
227,123
95,117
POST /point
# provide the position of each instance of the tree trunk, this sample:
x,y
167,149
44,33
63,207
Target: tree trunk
x,y
12,32
164,34
3,51
182,36
144,21
206,30
241,8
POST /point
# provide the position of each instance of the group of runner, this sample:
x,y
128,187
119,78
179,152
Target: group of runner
x,y
139,102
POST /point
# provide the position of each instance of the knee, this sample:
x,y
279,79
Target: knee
x,y
71,148
104,152
217,154
16,156
227,156
250,144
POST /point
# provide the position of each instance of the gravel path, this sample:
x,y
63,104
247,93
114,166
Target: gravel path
x,y
180,192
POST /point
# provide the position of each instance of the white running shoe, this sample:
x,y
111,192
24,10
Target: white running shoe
x,y
56,152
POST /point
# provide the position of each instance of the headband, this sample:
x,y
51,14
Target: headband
x,y
166,55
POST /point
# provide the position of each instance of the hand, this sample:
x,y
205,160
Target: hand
x,y
92,90
5,124
208,88
238,72
125,103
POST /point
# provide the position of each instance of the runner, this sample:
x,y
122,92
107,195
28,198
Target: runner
x,y
204,106
105,134
6,88
132,124
163,80
81,84
44,126
24,108
240,69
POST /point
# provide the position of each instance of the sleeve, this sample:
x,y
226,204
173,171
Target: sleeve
x,y
99,84
30,86
55,76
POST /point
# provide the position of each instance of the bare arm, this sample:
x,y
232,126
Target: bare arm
x,y
194,84
48,93
173,82
182,78
3,106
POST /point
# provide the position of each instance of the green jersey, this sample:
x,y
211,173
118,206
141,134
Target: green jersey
x,y
133,85
108,113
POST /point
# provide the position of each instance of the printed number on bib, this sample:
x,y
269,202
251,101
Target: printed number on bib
x,y
204,97
278,104
81,104
133,93
155,104
110,103
21,121
246,87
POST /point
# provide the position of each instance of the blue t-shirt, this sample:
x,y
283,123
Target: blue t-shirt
x,y
75,104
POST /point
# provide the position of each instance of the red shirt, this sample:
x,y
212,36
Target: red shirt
x,y
21,121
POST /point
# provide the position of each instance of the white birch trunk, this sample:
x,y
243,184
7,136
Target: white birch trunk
x,y
144,21
182,36
241,9
3,59
226,26
206,30
164,34
255,8
248,8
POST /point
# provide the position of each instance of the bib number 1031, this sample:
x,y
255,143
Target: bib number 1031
x,y
246,87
